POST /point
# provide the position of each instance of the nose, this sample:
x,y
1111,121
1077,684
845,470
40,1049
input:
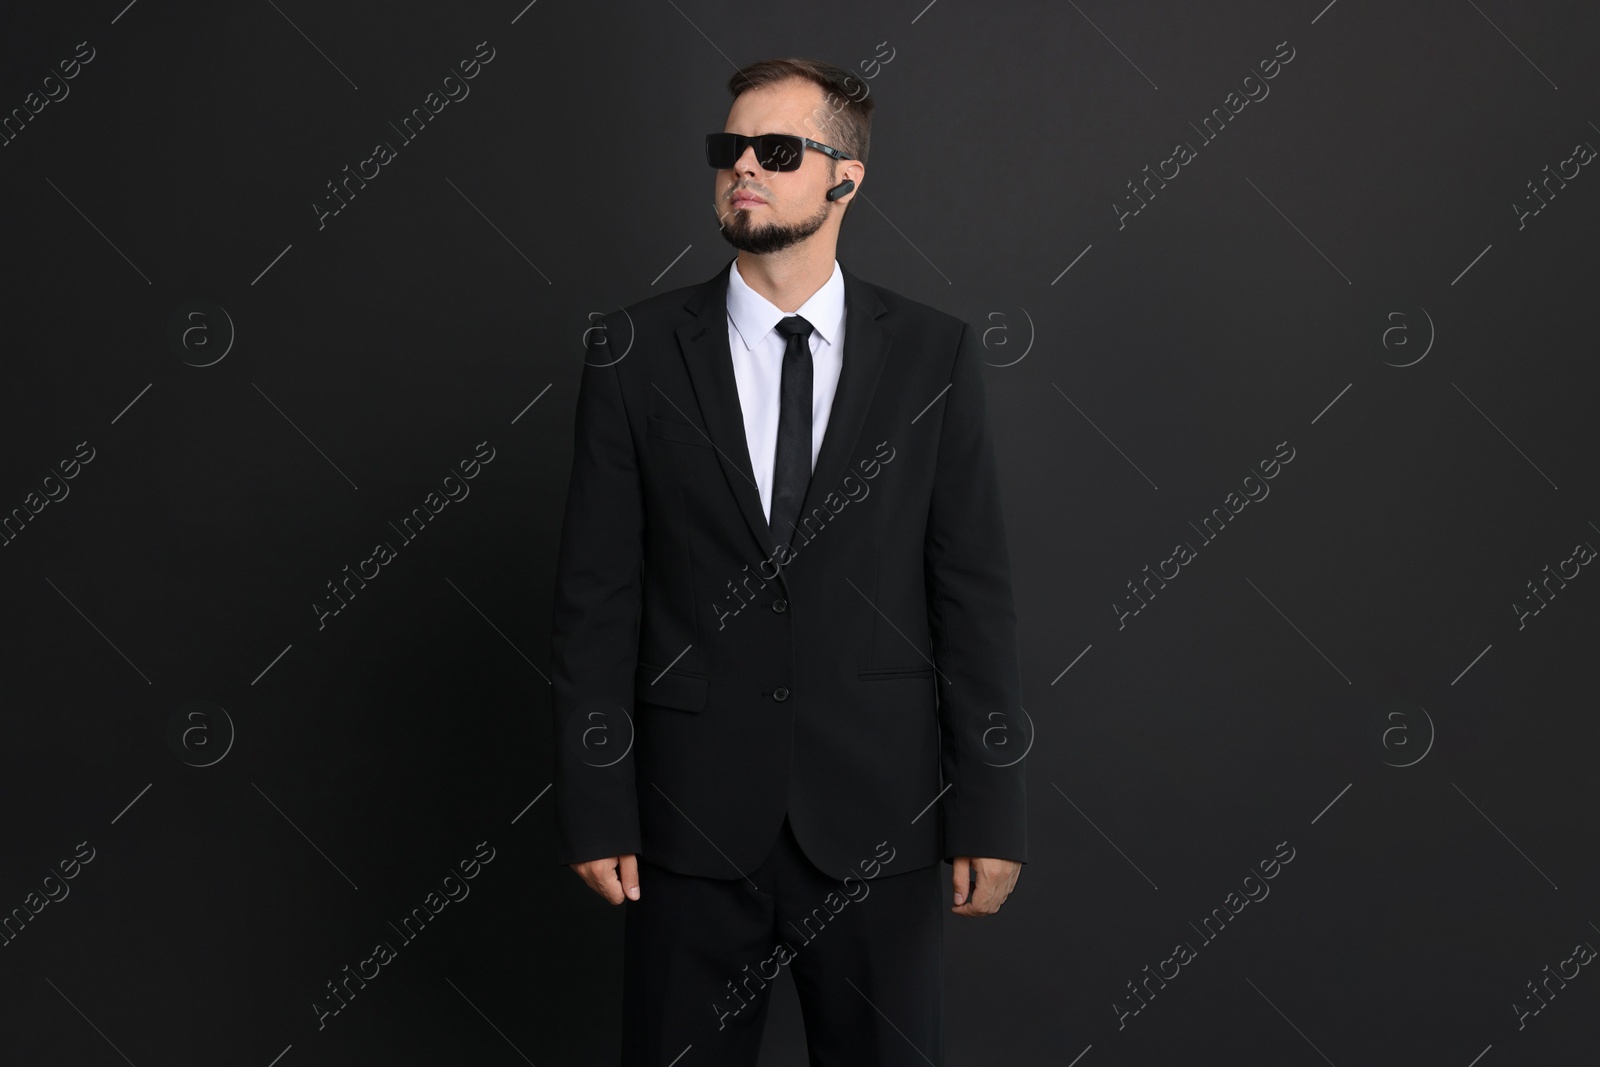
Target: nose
x,y
747,163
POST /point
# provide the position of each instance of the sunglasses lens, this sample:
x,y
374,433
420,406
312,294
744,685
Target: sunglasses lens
x,y
774,151
722,150
777,151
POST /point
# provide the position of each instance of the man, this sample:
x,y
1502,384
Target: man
x,y
785,668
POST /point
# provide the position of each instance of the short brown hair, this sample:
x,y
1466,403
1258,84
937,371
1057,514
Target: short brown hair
x,y
847,117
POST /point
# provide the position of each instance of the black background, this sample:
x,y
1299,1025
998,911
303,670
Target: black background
x,y
1358,618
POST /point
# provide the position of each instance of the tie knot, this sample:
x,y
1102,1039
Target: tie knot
x,y
794,326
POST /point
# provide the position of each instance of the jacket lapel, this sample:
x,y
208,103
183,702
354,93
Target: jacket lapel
x,y
866,347
703,340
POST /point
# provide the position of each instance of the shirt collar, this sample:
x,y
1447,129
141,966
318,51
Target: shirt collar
x,y
754,316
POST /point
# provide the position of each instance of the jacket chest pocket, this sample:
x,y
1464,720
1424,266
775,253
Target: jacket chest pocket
x,y
676,431
669,688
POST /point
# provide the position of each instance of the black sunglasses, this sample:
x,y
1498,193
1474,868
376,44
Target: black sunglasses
x,y
774,151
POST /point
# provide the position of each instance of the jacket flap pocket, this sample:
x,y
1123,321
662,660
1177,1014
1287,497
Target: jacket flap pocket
x,y
879,673
672,689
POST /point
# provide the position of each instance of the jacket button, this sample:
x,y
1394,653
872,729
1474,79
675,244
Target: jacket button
x,y
780,693
780,605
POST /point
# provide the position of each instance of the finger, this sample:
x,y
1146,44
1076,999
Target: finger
x,y
984,889
630,876
974,903
610,883
587,872
960,879
986,894
602,878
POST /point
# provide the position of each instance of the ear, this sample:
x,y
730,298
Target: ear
x,y
849,170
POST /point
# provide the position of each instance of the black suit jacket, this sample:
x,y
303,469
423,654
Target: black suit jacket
x,y
865,681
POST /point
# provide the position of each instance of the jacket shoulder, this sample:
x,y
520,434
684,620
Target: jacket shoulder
x,y
924,327
654,316
910,310
667,304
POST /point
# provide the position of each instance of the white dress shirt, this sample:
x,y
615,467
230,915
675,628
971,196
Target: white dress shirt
x,y
757,349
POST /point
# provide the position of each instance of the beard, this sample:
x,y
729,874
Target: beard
x,y
763,238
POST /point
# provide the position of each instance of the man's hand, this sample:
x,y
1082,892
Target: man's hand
x,y
995,879
601,876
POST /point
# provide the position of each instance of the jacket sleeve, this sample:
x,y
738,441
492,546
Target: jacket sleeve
x,y
594,631
972,617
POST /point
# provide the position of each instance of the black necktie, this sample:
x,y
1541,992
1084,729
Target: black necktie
x,y
791,464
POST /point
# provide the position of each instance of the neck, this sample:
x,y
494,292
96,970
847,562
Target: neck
x,y
789,278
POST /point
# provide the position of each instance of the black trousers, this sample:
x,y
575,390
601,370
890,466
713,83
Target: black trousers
x,y
700,954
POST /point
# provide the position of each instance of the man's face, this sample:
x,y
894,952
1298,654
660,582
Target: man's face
x,y
764,211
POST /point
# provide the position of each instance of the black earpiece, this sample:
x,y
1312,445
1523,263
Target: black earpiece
x,y
842,189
